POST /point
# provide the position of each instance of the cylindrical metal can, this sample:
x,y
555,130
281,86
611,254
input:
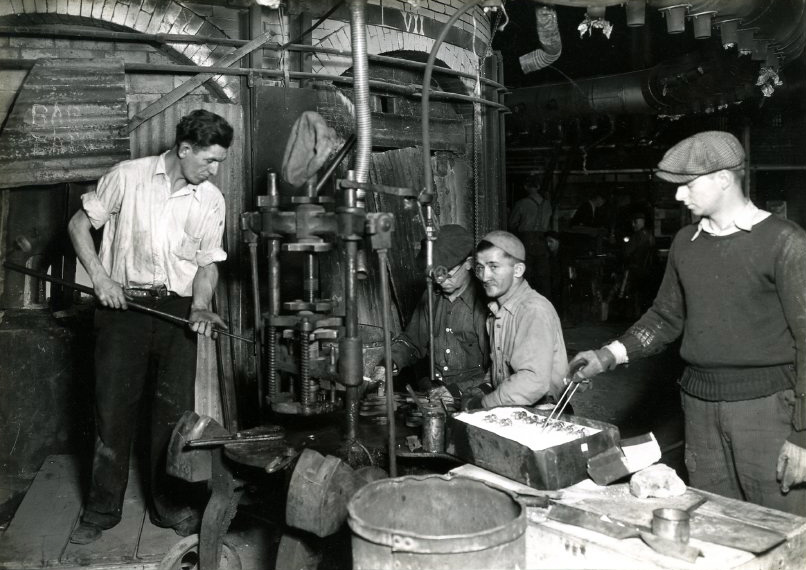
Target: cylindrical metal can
x,y
433,429
672,524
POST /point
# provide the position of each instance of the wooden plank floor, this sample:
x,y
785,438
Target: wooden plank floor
x,y
38,535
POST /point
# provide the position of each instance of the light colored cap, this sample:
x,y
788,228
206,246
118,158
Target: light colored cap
x,y
508,242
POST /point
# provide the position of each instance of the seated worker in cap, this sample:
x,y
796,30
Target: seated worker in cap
x,y
461,348
528,357
734,289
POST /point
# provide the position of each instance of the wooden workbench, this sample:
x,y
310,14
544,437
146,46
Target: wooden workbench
x,y
551,544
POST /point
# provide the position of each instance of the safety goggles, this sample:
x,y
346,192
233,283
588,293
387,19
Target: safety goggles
x,y
441,273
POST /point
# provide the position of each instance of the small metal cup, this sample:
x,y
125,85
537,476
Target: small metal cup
x,y
672,524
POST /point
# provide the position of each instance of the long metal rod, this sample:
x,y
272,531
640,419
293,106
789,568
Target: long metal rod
x,y
397,62
345,148
258,326
133,37
429,285
236,438
133,305
351,330
411,90
387,348
274,310
68,32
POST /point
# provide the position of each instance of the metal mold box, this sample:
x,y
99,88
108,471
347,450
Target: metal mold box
x,y
551,468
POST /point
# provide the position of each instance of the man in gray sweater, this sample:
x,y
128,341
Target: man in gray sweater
x,y
734,289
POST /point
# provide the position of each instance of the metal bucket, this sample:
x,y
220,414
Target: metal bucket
x,y
436,522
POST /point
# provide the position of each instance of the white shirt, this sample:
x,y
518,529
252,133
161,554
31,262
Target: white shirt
x,y
152,237
749,216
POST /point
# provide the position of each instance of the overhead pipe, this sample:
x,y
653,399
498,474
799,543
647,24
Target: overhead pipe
x,y
625,93
781,22
550,41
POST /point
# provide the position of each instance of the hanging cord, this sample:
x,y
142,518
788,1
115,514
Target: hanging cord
x,y
477,142
478,123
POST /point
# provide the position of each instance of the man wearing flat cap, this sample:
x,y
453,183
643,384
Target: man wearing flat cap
x,y
528,358
734,288
461,348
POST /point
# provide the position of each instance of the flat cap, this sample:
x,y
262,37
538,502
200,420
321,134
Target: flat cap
x,y
453,245
704,153
508,242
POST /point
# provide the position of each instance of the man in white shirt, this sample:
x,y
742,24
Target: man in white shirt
x,y
163,225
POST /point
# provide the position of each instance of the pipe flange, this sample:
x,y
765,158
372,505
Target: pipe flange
x,y
315,247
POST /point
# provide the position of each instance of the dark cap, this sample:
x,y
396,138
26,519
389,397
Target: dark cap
x,y
453,245
704,153
508,242
533,181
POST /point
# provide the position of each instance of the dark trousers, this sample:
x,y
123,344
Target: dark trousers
x,y
732,449
139,357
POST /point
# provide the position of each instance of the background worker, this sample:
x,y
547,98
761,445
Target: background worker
x,y
528,358
461,348
734,289
639,256
591,214
163,223
530,220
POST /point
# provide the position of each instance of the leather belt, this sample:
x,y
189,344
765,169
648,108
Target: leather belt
x,y
160,292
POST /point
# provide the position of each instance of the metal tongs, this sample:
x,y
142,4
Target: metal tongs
x,y
571,386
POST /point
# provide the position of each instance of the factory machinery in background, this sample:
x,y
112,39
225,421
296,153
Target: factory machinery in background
x,y
309,352
314,362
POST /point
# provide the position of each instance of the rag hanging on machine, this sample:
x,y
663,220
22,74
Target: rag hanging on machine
x,y
310,144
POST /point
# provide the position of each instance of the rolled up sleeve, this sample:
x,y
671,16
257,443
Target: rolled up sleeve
x,y
105,200
212,232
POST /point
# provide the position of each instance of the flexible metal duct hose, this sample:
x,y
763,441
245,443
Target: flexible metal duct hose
x,y
363,120
550,41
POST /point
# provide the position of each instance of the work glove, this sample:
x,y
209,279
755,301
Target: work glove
x,y
791,469
598,361
575,376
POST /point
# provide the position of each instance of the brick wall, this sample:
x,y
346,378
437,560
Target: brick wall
x,y
395,25
146,16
